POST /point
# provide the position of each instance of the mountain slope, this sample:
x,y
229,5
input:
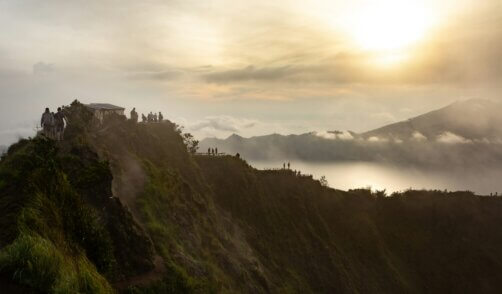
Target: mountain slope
x,y
312,239
217,225
474,119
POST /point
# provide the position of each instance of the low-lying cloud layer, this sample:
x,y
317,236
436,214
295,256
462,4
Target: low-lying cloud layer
x,y
451,138
443,152
338,135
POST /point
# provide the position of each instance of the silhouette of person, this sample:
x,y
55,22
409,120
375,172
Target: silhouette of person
x,y
289,165
46,122
208,151
216,151
53,126
134,115
59,122
284,165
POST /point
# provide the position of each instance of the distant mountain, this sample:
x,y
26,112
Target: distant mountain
x,y
473,119
467,132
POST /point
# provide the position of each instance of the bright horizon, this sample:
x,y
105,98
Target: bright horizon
x,y
224,67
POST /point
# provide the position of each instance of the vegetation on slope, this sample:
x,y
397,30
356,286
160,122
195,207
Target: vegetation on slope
x,y
175,207
46,226
62,231
221,226
314,239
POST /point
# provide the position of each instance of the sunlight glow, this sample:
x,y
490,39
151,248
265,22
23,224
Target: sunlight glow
x,y
389,59
390,25
388,31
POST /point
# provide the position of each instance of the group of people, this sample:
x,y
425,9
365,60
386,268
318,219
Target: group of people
x,y
151,117
212,151
53,124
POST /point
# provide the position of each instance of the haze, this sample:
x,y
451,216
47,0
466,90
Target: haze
x,y
252,68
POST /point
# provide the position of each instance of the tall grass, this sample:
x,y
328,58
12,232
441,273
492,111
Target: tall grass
x,y
38,263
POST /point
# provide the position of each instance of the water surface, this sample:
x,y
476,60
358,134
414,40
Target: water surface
x,y
352,175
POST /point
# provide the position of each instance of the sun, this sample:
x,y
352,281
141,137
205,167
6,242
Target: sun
x,y
388,29
390,25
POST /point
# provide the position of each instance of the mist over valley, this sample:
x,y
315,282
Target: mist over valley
x,y
458,147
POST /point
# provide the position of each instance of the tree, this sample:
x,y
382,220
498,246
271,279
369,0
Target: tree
x,y
380,194
191,143
323,181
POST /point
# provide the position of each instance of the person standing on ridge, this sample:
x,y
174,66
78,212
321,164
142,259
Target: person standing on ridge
x,y
46,122
216,150
59,123
53,126
208,151
134,115
161,117
143,118
289,164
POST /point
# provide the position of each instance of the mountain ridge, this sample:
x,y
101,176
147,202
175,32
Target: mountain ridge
x,y
480,114
221,226
439,136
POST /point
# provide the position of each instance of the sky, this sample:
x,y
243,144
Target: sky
x,y
248,67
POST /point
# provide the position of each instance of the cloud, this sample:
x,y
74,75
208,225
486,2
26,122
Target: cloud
x,y
451,138
334,135
345,136
165,75
325,135
250,73
14,133
281,63
417,136
375,139
41,68
222,123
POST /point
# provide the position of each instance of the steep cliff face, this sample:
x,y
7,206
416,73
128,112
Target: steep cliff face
x,y
198,242
124,207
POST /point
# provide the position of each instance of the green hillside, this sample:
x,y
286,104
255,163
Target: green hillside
x,y
123,207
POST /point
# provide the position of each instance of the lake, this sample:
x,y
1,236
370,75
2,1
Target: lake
x,y
352,175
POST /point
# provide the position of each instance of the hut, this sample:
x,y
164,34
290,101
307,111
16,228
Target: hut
x,y
101,110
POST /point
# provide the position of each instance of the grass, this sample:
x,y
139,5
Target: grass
x,y
160,196
51,234
36,262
